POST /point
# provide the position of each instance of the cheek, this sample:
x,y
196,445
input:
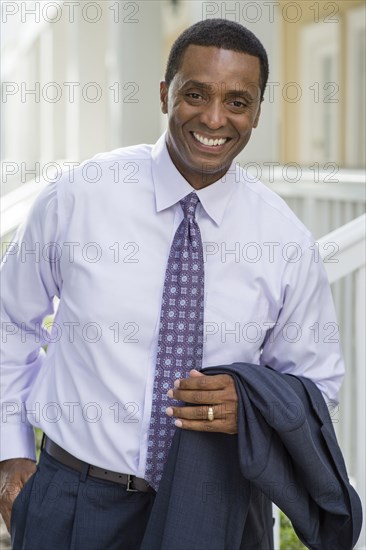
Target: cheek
x,y
175,118
181,113
247,125
245,135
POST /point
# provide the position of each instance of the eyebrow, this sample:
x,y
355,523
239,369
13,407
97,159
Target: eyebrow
x,y
207,86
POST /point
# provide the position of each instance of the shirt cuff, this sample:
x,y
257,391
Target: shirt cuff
x,y
17,441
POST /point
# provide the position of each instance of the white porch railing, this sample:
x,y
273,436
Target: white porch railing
x,y
334,207
15,207
350,422
351,240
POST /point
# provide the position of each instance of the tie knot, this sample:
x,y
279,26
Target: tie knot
x,y
189,204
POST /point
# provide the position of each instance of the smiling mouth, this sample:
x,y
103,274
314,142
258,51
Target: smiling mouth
x,y
209,142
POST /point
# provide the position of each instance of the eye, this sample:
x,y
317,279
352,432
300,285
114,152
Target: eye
x,y
238,104
194,96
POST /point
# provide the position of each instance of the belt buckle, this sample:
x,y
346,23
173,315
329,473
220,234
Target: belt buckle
x,y
129,488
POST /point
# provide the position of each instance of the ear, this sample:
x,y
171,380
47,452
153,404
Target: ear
x,y
164,97
256,120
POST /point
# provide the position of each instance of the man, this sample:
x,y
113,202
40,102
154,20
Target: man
x,y
253,291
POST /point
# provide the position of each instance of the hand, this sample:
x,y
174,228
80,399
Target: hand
x,y
13,475
217,391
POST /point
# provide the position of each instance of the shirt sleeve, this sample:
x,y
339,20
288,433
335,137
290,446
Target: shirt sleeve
x,y
30,279
304,340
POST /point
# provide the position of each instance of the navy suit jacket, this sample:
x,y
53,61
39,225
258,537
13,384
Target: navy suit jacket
x,y
217,489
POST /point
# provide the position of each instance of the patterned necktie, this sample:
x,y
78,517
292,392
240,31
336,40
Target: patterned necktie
x,y
181,332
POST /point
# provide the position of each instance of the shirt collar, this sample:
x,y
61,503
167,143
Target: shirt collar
x,y
171,186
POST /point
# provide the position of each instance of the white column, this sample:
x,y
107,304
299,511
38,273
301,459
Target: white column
x,y
60,64
47,107
93,91
73,99
135,58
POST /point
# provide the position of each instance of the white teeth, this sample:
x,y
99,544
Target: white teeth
x,y
209,142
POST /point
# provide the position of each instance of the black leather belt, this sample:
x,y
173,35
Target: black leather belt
x,y
131,482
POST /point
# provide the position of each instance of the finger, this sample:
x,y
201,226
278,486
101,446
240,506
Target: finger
x,y
204,382
12,495
221,411
6,512
195,373
219,425
6,518
209,397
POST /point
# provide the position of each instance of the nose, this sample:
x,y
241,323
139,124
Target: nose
x,y
213,115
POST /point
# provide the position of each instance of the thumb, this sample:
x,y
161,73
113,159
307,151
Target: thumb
x,y
195,373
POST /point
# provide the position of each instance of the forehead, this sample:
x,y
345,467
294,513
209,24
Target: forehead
x,y
211,64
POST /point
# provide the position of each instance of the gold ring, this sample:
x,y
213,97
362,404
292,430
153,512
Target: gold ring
x,y
210,414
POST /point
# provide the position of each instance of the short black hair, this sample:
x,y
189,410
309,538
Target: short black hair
x,y
219,33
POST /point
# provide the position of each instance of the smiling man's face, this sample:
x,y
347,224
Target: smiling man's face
x,y
213,102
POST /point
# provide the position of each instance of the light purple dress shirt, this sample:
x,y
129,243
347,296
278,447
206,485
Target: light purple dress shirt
x,y
99,240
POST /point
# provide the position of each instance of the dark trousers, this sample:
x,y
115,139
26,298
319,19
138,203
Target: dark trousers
x,y
60,509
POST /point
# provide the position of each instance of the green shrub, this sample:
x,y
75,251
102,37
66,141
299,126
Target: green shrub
x,y
288,538
39,434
